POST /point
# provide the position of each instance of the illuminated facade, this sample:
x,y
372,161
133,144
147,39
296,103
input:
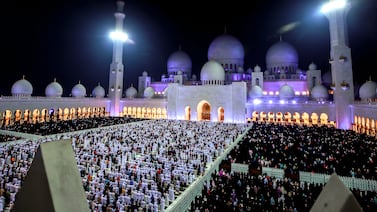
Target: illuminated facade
x,y
224,91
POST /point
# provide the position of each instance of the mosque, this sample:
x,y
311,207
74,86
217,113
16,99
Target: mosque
x,y
225,91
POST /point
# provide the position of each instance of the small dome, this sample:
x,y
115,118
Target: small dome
x,y
368,90
227,47
145,73
319,92
286,92
194,77
54,89
257,68
22,87
255,92
179,72
312,66
98,91
149,92
249,70
78,90
212,70
131,92
179,60
281,54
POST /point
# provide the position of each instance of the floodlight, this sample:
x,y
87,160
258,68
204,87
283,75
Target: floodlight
x,y
333,5
118,36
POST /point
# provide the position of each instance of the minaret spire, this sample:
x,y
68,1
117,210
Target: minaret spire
x,y
341,64
116,66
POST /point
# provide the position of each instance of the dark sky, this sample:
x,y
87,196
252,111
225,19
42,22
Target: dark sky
x,y
68,40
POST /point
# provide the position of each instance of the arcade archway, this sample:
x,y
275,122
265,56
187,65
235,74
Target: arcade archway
x,y
188,113
204,111
220,114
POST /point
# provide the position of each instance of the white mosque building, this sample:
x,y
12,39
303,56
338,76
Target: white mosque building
x,y
225,91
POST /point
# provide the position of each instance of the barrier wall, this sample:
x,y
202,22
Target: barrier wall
x,y
309,177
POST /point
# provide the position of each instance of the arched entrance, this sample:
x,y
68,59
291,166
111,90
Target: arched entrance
x,y
36,113
255,116
324,118
279,117
17,116
188,113
305,118
287,117
7,117
27,115
204,111
314,118
220,114
44,114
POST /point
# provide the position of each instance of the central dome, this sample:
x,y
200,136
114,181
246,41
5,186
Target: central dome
x,y
281,54
226,47
212,70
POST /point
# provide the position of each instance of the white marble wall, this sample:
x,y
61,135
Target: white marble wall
x,y
230,97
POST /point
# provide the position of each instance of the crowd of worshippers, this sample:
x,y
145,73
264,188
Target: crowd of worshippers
x,y
317,149
6,138
139,166
48,128
229,191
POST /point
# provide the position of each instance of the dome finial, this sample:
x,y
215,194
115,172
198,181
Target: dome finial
x,y
99,83
370,78
132,85
225,29
54,79
280,37
79,82
23,76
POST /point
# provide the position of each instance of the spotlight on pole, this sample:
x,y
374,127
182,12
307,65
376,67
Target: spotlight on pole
x,y
333,5
118,36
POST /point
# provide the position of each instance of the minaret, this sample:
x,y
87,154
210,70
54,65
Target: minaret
x,y
116,66
341,62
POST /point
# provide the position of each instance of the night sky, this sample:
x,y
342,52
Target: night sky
x,y
68,40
